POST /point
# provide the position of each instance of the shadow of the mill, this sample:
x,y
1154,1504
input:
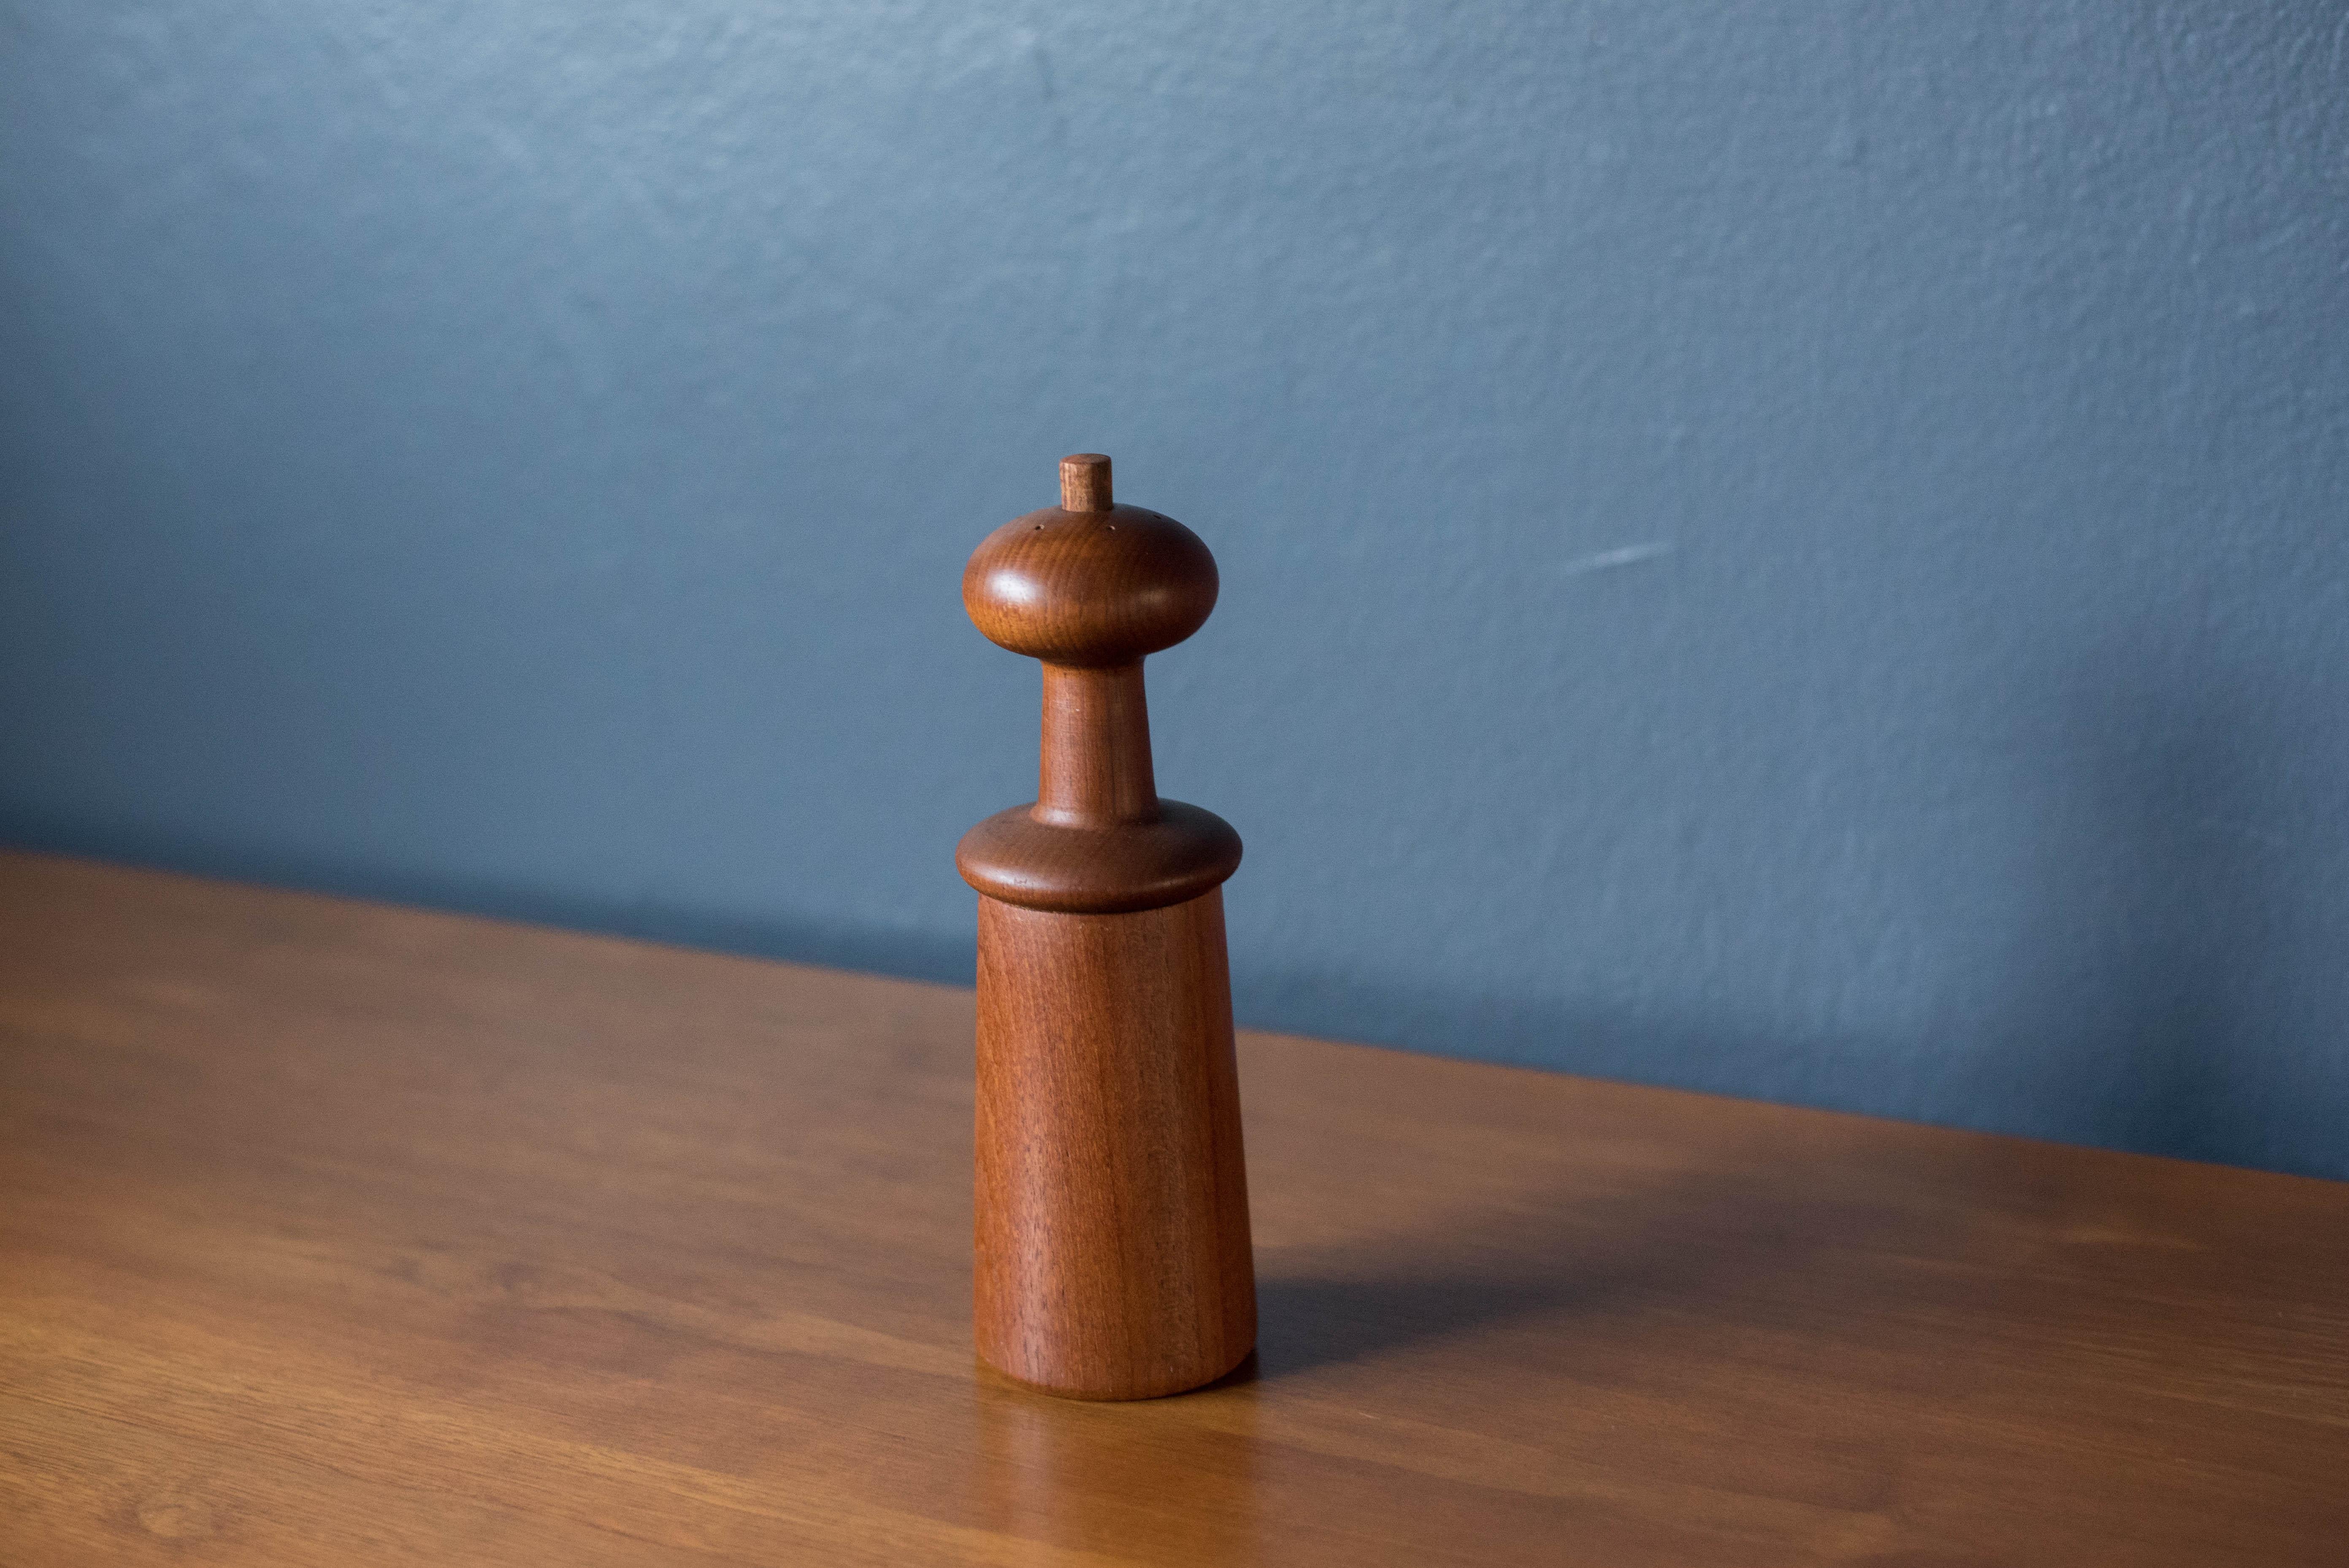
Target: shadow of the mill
x,y
1607,1259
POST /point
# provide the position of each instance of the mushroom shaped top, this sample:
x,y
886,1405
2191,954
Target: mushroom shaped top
x,y
1089,582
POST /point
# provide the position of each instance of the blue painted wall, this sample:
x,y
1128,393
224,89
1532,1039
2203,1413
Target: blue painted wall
x,y
1793,550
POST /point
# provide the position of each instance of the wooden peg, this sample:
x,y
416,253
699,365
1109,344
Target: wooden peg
x,y
1084,482
1113,1258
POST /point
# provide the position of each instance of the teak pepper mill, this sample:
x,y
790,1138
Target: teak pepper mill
x,y
1113,1258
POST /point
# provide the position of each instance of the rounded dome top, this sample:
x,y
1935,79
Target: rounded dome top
x,y
1102,585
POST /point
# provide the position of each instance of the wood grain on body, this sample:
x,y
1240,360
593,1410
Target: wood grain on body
x,y
1111,1257
333,1233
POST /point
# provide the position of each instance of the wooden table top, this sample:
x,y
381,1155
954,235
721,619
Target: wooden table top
x,y
343,1234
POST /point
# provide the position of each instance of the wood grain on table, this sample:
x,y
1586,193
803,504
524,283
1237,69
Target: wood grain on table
x,y
343,1234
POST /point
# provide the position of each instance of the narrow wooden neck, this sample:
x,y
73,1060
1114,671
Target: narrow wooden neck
x,y
1096,754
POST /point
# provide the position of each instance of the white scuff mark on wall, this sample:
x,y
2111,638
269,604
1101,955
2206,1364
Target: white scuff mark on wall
x,y
1607,559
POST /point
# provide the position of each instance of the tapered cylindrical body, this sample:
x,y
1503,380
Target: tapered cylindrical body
x,y
1111,1257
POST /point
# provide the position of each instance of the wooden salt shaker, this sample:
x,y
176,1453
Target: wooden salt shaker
x,y
1113,1258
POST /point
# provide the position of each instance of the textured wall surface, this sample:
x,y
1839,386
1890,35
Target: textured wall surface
x,y
1793,550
